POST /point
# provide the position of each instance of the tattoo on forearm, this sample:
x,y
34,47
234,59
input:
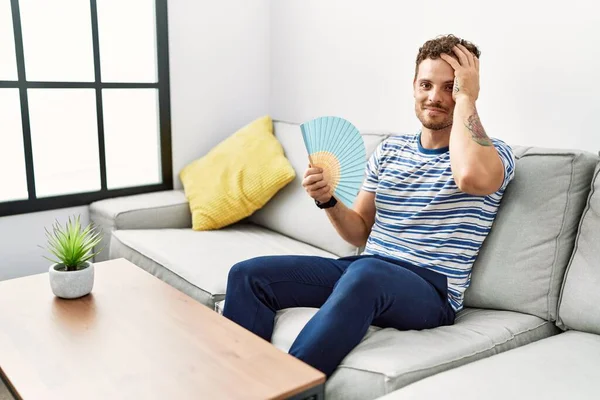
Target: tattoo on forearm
x,y
456,89
477,132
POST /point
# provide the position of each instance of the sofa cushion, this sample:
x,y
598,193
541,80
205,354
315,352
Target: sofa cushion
x,y
580,296
237,177
198,262
388,359
522,261
157,210
564,366
291,211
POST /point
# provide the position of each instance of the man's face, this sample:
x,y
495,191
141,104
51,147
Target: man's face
x,y
432,87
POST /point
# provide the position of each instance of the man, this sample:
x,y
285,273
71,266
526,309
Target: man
x,y
426,205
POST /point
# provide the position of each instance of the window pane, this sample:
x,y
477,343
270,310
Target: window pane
x,y
131,137
127,35
13,179
8,62
57,40
64,135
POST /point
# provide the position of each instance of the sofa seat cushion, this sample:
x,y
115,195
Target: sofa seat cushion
x,y
564,366
388,359
198,262
156,210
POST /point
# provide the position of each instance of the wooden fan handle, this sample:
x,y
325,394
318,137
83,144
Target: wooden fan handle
x,y
331,168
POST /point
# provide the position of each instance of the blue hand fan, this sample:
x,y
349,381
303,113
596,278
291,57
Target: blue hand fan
x,y
335,145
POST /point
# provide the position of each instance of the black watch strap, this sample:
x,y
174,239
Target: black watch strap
x,y
332,202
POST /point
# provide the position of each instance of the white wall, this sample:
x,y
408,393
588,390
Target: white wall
x,y
232,61
20,236
355,59
219,70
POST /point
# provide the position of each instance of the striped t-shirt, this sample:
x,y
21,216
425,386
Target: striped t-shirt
x,y
422,216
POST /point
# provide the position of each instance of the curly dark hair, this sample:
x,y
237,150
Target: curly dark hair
x,y
442,44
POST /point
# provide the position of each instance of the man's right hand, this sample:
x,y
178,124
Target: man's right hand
x,y
315,184
353,225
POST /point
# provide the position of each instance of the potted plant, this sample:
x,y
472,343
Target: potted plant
x,y
71,274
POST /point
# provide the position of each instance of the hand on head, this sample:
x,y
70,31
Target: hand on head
x,y
466,73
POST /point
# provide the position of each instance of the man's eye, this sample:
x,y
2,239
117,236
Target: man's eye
x,y
425,85
449,88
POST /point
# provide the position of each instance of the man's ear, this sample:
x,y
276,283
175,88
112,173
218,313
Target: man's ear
x,y
414,88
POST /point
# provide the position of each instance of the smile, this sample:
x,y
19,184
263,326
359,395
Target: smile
x,y
435,110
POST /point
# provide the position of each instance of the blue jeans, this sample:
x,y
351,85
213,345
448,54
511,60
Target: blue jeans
x,y
351,293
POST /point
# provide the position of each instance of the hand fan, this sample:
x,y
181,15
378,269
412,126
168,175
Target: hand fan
x,y
335,145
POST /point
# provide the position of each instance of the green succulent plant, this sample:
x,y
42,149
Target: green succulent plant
x,y
71,245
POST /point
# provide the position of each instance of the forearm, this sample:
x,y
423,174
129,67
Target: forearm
x,y
473,157
349,224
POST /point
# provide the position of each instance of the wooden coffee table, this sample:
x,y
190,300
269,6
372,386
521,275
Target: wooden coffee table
x,y
136,337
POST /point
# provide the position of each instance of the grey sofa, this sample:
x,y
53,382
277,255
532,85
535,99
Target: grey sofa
x,y
565,366
512,302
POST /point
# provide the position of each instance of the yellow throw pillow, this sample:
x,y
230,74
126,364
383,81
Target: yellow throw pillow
x,y
237,177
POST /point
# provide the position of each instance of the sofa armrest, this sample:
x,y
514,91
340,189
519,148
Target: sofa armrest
x,y
158,210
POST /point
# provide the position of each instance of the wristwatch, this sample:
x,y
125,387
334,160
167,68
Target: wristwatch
x,y
332,202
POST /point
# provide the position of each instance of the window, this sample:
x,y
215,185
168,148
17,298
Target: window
x,y
84,102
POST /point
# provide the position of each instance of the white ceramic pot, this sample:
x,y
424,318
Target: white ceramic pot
x,y
71,284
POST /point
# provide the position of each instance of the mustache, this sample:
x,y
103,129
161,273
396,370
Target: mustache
x,y
434,105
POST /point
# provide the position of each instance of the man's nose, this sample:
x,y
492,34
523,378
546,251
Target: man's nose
x,y
435,96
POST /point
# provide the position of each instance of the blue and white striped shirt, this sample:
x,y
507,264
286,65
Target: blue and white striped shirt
x,y
422,216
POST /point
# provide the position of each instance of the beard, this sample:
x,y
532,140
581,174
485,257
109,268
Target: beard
x,y
434,124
